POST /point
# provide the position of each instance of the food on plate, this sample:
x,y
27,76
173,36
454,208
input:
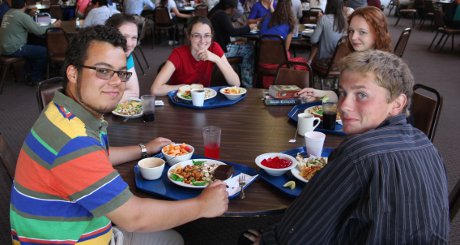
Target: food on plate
x,y
223,172
200,173
318,111
177,150
232,90
129,108
290,185
276,162
185,91
310,166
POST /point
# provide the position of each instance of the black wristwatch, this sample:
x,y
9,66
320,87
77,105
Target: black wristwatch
x,y
143,151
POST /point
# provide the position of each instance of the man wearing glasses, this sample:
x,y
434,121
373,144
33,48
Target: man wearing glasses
x,y
65,188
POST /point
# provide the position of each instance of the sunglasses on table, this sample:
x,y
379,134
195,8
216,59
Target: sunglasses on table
x,y
107,74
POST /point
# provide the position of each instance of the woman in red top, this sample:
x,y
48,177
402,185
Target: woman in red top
x,y
193,62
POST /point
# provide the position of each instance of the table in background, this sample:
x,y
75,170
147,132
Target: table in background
x,y
70,27
249,128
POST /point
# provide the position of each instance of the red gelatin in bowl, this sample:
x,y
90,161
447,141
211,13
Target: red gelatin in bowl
x,y
276,162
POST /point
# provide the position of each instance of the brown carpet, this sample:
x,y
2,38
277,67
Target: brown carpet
x,y
18,111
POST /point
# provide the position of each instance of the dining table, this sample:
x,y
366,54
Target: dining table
x,y
70,27
249,128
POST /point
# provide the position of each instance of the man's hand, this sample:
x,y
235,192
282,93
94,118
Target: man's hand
x,y
155,145
213,200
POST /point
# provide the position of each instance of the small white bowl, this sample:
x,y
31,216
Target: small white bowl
x,y
171,159
275,171
151,167
233,96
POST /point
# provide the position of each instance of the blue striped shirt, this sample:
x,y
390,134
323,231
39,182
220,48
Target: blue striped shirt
x,y
385,186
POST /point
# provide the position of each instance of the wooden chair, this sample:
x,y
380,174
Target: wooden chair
x,y
162,21
442,29
287,74
427,12
426,110
331,70
7,63
270,50
142,28
201,10
57,44
409,11
402,42
218,79
56,11
46,90
454,201
7,169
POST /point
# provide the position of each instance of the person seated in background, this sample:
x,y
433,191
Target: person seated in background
x,y
220,17
330,28
65,187
174,13
367,29
319,4
127,25
135,7
297,9
99,14
81,7
16,25
385,183
260,9
194,62
354,4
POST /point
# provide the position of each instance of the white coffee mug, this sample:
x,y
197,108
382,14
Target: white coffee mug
x,y
198,97
306,123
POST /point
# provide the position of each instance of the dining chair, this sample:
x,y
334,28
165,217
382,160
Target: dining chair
x,y
270,52
7,169
57,44
402,42
427,12
46,90
331,69
409,10
201,10
311,16
425,110
442,29
162,22
7,63
294,73
141,29
56,11
454,201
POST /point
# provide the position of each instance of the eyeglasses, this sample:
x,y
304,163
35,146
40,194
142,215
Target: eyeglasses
x,y
107,74
197,36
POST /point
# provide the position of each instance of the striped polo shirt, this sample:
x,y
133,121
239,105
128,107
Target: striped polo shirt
x,y
385,186
64,183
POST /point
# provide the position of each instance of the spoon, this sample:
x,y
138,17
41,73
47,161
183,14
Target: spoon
x,y
293,140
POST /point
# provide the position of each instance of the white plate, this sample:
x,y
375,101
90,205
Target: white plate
x,y
190,162
129,116
254,31
209,93
296,173
309,25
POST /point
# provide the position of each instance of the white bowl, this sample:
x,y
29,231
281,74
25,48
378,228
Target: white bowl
x,y
171,159
275,171
233,96
151,167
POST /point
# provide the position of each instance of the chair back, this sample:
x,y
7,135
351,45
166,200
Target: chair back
x,y
56,11
289,74
454,201
332,66
57,43
272,50
426,110
46,90
311,16
161,17
201,10
7,168
402,42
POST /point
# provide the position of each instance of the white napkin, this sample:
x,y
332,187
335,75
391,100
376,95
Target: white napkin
x,y
234,186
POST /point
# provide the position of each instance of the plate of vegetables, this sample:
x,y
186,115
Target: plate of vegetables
x,y
308,167
131,108
195,173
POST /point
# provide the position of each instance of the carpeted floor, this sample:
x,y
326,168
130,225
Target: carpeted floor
x,y
438,69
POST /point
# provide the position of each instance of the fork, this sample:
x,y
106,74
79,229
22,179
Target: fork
x,y
242,182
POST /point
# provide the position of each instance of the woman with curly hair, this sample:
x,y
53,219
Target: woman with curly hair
x,y
367,29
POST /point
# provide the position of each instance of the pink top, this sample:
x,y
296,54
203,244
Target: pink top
x,y
82,5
